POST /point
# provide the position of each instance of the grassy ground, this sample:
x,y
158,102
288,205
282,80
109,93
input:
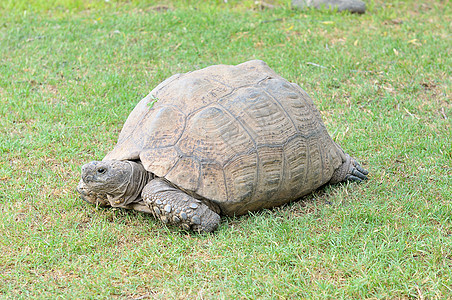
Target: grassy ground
x,y
70,73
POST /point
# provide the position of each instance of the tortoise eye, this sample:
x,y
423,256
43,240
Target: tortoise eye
x,y
101,170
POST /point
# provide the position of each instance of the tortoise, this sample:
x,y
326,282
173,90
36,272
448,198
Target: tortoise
x,y
223,140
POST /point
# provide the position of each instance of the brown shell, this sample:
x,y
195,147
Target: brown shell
x,y
240,136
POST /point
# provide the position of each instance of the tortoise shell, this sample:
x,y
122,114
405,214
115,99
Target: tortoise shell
x,y
239,136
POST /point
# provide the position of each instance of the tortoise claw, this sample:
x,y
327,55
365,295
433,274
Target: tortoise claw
x,y
356,172
360,169
350,170
353,178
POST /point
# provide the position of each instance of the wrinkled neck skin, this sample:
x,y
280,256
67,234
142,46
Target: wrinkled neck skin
x,y
129,192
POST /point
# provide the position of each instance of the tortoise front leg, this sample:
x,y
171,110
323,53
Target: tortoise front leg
x,y
173,206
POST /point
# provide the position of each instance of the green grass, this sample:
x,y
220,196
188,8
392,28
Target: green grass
x,y
70,73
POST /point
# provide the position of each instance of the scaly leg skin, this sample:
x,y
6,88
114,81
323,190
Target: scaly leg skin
x,y
350,170
173,206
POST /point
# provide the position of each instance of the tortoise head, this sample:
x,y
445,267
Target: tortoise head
x,y
121,182
106,176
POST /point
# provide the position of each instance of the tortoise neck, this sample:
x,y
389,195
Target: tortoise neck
x,y
130,191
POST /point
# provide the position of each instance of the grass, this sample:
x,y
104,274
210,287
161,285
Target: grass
x,y
70,73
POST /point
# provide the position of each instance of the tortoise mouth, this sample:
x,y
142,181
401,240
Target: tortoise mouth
x,y
91,197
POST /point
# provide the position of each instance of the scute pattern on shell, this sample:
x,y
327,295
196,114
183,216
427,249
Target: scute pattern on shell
x,y
240,136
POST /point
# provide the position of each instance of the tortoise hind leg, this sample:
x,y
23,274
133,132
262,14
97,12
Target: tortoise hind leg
x,y
173,206
350,170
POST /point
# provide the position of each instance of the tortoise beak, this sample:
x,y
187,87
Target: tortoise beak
x,y
88,178
87,195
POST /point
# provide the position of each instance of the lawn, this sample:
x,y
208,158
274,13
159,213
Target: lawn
x,y
71,72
